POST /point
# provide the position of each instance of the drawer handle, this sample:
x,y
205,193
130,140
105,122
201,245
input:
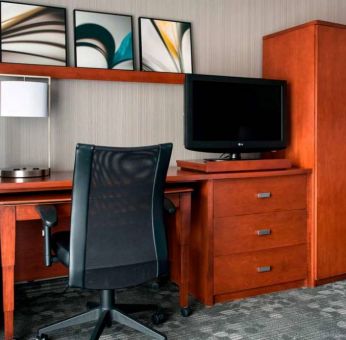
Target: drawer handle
x,y
264,195
264,269
263,232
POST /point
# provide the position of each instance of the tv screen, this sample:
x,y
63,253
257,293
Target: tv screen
x,y
233,115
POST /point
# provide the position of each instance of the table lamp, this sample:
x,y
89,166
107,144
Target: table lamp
x,y
27,97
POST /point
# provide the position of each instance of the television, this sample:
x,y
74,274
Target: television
x,y
234,115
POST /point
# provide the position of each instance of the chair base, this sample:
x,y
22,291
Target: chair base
x,y
105,314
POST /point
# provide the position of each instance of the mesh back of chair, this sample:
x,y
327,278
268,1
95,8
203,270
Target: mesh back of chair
x,y
124,238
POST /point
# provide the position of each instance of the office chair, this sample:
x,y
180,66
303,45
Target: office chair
x,y
117,236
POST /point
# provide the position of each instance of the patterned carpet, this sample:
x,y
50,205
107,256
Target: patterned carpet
x,y
318,313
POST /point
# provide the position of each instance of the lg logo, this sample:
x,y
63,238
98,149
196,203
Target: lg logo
x,y
240,144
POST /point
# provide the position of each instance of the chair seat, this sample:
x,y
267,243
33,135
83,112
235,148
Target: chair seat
x,y
61,246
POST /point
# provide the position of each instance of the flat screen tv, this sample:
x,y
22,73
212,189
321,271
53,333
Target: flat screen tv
x,y
234,115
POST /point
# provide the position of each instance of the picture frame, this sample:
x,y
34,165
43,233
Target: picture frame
x,y
33,34
165,45
103,40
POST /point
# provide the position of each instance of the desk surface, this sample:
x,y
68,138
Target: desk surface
x,y
63,180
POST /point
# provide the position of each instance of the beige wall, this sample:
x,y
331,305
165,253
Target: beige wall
x,y
227,40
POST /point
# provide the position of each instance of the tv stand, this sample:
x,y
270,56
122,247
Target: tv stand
x,y
235,165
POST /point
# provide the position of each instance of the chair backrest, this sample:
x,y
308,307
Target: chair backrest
x,y
117,231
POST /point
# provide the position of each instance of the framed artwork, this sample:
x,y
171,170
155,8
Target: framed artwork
x,y
165,45
33,34
103,40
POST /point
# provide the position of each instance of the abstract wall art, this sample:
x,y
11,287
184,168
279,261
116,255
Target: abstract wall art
x,y
32,34
103,40
165,45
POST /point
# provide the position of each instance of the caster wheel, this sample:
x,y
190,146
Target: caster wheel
x,y
42,337
186,311
158,317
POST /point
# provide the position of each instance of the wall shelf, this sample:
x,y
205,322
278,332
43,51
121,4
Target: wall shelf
x,y
61,72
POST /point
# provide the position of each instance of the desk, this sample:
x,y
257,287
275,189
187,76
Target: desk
x,y
229,255
18,199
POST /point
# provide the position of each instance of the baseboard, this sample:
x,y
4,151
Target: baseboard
x,y
320,282
258,291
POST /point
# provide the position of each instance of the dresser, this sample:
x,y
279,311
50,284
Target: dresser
x,y
249,234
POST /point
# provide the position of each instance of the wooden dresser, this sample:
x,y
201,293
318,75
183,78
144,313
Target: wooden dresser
x,y
249,234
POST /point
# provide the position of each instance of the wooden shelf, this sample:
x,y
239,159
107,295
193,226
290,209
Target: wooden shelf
x,y
61,72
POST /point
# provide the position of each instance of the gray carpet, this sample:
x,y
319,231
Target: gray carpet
x,y
318,313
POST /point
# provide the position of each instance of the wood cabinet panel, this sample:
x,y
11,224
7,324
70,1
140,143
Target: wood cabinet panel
x,y
290,55
242,271
330,147
257,195
260,231
201,245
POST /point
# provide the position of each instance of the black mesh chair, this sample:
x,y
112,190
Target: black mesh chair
x,y
117,236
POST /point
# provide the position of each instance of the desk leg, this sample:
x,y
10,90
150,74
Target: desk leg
x,y
183,223
7,238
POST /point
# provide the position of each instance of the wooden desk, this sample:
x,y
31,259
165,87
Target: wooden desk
x,y
18,199
230,255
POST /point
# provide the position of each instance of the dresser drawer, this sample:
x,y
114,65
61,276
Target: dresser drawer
x,y
259,231
256,195
258,269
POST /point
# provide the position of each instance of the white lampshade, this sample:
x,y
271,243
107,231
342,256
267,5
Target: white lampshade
x,y
23,99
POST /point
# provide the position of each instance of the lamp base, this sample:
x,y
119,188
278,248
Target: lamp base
x,y
24,172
